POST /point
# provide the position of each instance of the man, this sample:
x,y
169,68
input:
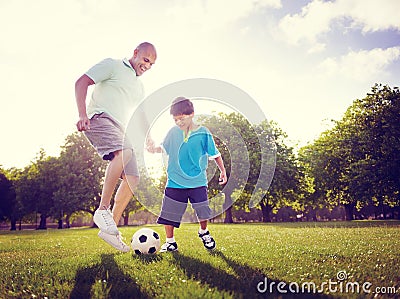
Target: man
x,y
116,94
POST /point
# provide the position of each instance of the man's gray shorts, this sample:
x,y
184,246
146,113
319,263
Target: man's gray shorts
x,y
107,136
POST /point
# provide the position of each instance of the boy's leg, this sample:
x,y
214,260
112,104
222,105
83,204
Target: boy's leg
x,y
206,238
169,231
199,200
170,244
173,207
203,224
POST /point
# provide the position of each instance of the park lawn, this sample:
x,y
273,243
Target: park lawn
x,y
251,261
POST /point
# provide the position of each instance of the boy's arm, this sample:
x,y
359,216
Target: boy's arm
x,y
220,163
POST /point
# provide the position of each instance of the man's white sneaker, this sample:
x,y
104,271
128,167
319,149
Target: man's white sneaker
x,y
105,222
115,241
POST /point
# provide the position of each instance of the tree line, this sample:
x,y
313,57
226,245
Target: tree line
x,y
351,171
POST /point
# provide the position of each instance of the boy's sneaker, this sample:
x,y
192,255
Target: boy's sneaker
x,y
169,247
104,220
208,241
115,241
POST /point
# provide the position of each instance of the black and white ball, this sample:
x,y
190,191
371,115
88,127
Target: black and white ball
x,y
145,241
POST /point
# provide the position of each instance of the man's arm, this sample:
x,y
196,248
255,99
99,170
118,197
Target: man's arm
x,y
81,87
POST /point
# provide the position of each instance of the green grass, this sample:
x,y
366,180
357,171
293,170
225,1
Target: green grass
x,y
77,264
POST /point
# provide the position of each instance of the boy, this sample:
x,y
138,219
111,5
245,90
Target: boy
x,y
188,147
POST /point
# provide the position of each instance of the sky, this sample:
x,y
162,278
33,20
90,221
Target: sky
x,y
304,62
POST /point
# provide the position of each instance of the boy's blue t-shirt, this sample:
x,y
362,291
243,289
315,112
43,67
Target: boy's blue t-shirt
x,y
188,157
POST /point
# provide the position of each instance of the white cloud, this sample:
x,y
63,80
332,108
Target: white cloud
x,y
31,25
372,15
319,16
362,65
317,47
213,14
314,19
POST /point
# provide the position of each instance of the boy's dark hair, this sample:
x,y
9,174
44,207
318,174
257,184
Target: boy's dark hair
x,y
181,105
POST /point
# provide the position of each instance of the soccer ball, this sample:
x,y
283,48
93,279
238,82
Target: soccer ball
x,y
145,241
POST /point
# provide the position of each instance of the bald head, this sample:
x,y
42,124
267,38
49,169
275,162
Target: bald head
x,y
146,45
143,58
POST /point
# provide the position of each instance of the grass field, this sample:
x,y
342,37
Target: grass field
x,y
345,260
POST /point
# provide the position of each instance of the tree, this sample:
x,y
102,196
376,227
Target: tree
x,y
7,199
80,174
356,163
237,141
380,163
312,160
376,167
23,207
288,183
35,187
242,146
46,184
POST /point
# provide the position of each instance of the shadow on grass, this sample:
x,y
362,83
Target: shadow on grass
x,y
112,282
244,284
147,258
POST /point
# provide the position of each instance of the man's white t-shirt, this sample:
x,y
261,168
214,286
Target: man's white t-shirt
x,y
117,92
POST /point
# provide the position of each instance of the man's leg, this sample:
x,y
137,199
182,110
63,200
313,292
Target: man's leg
x,y
113,173
112,236
124,195
103,217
